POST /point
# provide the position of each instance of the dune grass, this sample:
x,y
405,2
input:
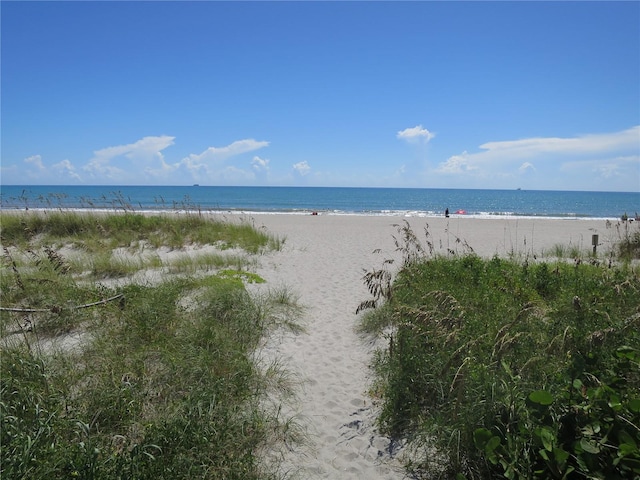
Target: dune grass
x,y
164,384
43,247
497,368
210,261
98,232
628,244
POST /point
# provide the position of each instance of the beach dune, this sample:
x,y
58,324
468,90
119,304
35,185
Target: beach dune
x,y
323,262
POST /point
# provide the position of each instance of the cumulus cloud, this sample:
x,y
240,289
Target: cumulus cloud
x,y
41,172
260,164
209,164
415,134
586,157
66,169
235,175
146,147
35,160
456,164
143,161
302,168
222,153
147,150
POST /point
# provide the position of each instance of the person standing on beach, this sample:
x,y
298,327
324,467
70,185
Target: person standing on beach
x,y
446,212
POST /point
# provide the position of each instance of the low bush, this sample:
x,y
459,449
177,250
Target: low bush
x,y
164,383
500,369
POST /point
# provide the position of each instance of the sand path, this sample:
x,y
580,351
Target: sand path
x,y
322,262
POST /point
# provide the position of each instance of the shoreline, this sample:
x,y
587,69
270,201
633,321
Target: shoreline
x,y
318,213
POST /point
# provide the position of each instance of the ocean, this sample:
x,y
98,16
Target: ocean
x,y
327,200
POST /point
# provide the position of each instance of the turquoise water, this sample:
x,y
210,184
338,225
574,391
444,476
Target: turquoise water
x,y
335,200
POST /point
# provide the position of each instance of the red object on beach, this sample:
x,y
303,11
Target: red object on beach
x,y
461,212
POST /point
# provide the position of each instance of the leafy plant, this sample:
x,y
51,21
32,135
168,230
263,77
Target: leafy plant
x,y
589,430
496,368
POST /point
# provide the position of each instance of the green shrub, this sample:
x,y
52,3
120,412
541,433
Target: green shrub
x,y
164,383
512,370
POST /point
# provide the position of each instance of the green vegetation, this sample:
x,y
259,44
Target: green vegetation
x,y
504,369
95,232
163,383
629,240
560,251
118,245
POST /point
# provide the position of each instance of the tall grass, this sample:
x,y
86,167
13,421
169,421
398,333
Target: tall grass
x,y
628,245
157,393
209,261
166,384
503,369
111,230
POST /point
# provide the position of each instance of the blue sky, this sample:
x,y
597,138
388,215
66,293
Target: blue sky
x,y
532,95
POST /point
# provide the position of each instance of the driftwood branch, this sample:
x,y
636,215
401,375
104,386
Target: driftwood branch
x,y
56,309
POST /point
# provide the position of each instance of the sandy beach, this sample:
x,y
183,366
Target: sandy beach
x,y
322,262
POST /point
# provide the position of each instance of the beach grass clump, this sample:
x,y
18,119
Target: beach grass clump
x,y
503,369
561,251
628,244
108,265
164,383
111,230
210,261
42,286
158,393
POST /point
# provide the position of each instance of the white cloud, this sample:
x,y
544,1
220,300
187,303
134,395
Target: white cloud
x,y
234,175
526,167
585,144
605,168
35,160
302,168
415,134
456,164
146,147
144,160
222,153
145,151
160,169
589,159
208,164
260,164
66,169
38,171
